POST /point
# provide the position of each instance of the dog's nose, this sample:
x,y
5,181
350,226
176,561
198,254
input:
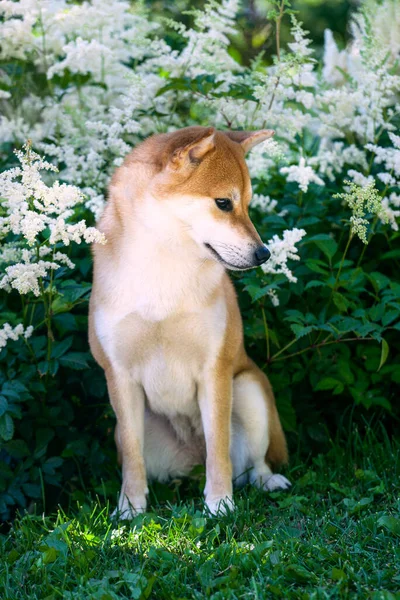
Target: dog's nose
x,y
261,255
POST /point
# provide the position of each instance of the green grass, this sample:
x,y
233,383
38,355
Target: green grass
x,y
336,534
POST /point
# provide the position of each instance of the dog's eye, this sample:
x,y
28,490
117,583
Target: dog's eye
x,y
224,204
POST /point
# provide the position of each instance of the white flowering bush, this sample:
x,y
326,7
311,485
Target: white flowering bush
x,y
84,82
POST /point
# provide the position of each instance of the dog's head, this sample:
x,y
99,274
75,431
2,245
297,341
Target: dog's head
x,y
203,182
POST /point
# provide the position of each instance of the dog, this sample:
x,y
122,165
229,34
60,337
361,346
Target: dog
x,y
165,325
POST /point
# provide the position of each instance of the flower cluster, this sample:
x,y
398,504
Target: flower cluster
x,y
104,77
282,250
302,174
38,216
7,332
363,200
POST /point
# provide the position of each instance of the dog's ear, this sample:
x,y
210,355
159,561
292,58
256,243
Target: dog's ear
x,y
192,153
249,139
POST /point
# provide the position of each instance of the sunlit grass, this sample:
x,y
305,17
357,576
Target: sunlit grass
x,y
336,534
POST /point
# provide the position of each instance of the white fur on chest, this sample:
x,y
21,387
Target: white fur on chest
x,y
168,381
158,329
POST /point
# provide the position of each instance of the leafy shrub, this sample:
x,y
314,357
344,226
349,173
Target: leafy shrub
x,y
83,82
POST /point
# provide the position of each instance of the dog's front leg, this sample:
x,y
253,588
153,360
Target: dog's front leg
x,y
215,400
127,400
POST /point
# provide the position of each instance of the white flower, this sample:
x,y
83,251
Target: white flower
x,y
264,203
302,174
283,250
395,199
301,43
360,178
25,277
67,233
390,157
387,179
389,215
32,208
263,158
333,156
7,332
273,296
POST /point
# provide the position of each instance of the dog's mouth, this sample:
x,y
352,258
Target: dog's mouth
x,y
224,262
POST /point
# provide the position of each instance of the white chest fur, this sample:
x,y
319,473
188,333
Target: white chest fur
x,y
164,323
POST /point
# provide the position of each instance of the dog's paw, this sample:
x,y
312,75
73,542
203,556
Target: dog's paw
x,y
128,509
276,482
219,505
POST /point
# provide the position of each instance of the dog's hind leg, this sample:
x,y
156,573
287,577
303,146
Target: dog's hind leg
x,y
258,442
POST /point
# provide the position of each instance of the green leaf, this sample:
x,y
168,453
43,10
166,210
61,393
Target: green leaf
x,y
75,360
314,283
376,312
318,266
65,322
392,524
3,405
17,448
33,490
330,383
60,348
49,555
355,507
286,411
378,280
13,389
43,436
338,574
340,301
301,331
256,292
384,353
300,574
390,316
325,243
6,427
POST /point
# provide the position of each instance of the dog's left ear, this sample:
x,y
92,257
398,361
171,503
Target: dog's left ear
x,y
193,153
249,139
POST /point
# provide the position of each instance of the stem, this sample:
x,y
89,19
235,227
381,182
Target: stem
x,y
278,30
374,222
266,332
44,50
278,48
49,314
365,245
283,349
323,343
342,261
31,351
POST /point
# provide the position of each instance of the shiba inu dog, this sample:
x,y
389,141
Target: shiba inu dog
x,y
165,324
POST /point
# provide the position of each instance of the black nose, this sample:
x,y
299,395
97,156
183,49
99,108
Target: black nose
x,y
261,255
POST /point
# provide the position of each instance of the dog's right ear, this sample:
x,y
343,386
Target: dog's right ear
x,y
193,153
249,139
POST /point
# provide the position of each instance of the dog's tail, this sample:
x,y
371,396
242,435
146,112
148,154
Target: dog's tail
x,y
277,453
